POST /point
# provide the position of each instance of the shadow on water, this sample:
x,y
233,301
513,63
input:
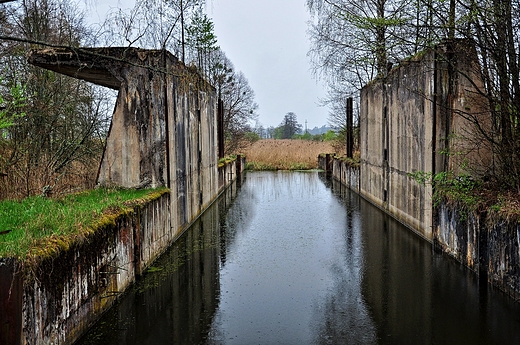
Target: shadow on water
x,y
294,258
175,301
418,296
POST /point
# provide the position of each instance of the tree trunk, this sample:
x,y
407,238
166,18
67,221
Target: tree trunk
x,y
381,39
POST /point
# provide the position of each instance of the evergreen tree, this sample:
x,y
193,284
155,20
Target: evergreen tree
x,y
290,126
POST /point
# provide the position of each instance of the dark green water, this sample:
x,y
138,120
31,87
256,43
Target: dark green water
x,y
294,259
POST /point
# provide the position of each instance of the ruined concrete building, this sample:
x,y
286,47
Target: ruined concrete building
x,y
164,127
422,117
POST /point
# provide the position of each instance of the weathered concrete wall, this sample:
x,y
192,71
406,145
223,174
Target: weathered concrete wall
x,y
490,250
153,232
195,282
416,120
503,257
325,162
229,172
64,294
396,131
164,127
346,174
408,120
193,158
458,235
341,170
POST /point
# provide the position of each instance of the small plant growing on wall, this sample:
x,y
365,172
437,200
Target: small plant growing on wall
x,y
451,188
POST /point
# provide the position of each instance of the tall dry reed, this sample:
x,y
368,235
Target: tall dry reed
x,y
287,154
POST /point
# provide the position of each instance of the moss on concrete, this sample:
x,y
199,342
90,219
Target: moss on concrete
x,y
38,228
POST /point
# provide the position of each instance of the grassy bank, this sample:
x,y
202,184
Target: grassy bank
x,y
288,154
40,226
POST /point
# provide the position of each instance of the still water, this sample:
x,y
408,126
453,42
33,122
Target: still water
x,y
291,258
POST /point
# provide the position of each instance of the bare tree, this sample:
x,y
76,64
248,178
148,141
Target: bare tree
x,y
496,32
238,98
354,42
150,24
57,145
66,119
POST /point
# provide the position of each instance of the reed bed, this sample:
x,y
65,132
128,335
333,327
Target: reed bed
x,y
286,154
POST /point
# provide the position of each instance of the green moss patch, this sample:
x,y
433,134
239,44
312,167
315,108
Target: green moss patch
x,y
353,162
41,227
226,160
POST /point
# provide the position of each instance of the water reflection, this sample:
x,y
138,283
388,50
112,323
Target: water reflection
x,y
288,266
417,296
342,317
298,259
175,302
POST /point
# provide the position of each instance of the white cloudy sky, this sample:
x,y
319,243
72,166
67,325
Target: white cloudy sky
x,y
266,40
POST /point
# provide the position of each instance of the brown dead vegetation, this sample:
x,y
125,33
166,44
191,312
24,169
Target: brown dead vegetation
x,y
17,183
285,154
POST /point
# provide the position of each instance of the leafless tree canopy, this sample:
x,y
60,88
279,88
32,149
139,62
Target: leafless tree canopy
x,y
238,99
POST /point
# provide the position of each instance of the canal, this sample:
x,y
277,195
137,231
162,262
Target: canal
x,y
291,258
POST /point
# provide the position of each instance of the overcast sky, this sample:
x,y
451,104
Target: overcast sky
x,y
266,40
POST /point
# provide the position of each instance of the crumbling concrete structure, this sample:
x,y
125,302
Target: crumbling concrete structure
x,y
163,133
164,127
428,116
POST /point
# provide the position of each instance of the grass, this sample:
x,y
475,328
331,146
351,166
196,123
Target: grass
x,y
352,162
287,154
506,206
469,195
226,160
39,226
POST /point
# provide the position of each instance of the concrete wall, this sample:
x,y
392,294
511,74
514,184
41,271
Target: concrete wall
x,y
458,235
56,300
228,172
490,250
341,170
164,127
407,120
346,174
421,118
64,295
502,256
396,125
